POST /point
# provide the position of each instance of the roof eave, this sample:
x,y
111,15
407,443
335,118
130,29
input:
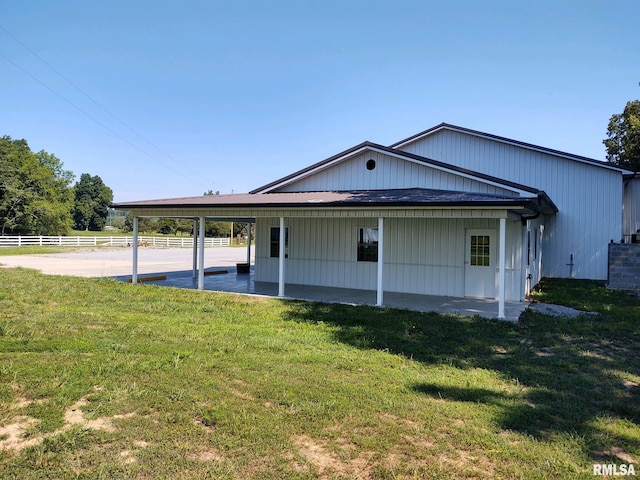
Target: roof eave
x,y
525,203
530,146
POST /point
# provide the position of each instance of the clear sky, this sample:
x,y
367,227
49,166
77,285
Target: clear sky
x,y
169,98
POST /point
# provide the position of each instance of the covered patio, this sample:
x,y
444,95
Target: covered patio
x,y
326,222
227,279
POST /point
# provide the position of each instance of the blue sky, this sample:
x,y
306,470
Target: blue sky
x,y
170,98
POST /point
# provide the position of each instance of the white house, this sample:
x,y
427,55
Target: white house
x,y
449,211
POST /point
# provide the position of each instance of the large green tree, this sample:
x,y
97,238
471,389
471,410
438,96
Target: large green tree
x,y
623,137
35,193
92,200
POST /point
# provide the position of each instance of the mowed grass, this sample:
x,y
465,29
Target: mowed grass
x,y
100,379
38,250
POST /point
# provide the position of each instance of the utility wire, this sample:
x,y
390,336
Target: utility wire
x,y
110,130
89,115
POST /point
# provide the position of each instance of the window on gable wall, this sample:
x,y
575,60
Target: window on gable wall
x,y
274,242
367,244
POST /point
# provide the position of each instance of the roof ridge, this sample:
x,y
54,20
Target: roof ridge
x,y
502,139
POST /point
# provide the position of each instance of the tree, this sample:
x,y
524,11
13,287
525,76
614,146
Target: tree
x,y
217,229
35,194
145,224
92,199
623,137
167,226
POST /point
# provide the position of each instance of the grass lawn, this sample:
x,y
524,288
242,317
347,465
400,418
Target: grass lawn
x,y
100,379
37,250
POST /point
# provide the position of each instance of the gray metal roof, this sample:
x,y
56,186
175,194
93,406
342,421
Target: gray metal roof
x,y
412,197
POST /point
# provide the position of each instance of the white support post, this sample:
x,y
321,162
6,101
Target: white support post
x,y
526,282
379,296
201,259
195,248
502,262
281,254
134,274
249,243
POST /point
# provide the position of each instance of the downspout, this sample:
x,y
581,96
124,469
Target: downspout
x,y
527,239
525,219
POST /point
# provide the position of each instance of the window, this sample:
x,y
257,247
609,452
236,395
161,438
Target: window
x,y
480,250
275,242
367,244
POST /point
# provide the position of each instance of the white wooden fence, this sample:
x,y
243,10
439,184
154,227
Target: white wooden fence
x,y
104,241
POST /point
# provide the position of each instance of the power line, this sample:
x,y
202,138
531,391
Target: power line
x,y
112,115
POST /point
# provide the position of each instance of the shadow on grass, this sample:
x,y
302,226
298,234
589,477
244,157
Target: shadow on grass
x,y
572,373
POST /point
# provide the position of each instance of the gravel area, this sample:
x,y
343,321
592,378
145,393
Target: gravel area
x,y
558,310
113,262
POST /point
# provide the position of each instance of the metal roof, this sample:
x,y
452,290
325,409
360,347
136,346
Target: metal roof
x,y
412,197
530,146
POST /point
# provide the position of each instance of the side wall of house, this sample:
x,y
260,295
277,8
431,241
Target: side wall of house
x,y
533,253
631,208
422,256
589,198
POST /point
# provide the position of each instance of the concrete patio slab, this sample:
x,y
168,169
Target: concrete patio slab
x,y
175,264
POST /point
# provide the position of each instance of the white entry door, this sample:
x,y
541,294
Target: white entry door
x,y
480,264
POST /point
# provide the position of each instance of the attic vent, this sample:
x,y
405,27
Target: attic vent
x,y
371,164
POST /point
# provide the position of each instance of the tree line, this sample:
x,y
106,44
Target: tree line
x,y
184,227
39,197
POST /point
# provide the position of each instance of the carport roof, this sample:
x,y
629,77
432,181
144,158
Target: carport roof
x,y
412,197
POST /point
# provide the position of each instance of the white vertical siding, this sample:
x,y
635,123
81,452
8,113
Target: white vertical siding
x,y
532,256
422,256
390,173
589,197
631,207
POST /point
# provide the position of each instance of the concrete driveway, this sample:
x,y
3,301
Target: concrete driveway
x,y
117,262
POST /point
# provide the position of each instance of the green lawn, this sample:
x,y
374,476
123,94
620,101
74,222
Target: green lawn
x,y
38,250
100,379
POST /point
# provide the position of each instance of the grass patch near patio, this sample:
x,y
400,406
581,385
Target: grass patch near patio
x,y
100,379
37,250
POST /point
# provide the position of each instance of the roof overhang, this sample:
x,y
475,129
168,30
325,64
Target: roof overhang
x,y
509,141
250,205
